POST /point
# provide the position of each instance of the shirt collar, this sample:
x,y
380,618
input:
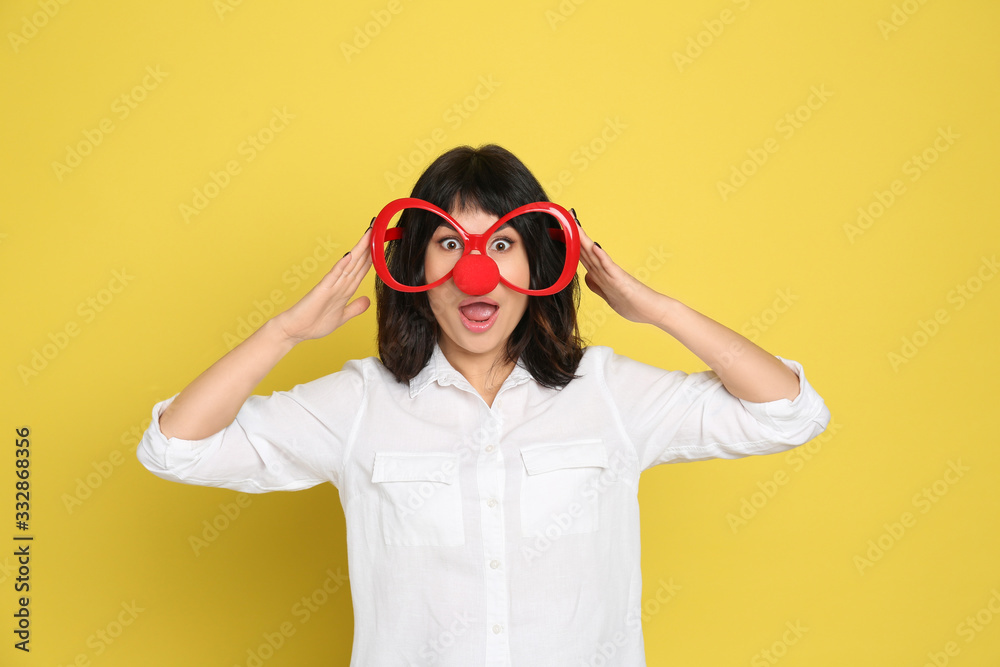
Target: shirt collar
x,y
439,370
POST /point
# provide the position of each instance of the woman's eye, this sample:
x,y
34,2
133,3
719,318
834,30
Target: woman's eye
x,y
450,244
502,244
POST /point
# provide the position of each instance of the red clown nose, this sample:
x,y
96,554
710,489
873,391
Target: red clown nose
x,y
476,274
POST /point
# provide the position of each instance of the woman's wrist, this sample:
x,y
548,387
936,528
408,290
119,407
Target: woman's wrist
x,y
668,312
274,332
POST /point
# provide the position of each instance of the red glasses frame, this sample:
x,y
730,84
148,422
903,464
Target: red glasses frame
x,y
382,233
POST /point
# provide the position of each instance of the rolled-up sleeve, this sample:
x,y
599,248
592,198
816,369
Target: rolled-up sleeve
x,y
287,441
672,416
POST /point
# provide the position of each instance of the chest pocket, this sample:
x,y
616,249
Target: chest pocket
x,y
420,498
560,487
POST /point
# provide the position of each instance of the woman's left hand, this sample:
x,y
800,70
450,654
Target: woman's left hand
x,y
627,296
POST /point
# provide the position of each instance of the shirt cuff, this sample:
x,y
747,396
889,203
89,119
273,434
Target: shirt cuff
x,y
162,455
792,416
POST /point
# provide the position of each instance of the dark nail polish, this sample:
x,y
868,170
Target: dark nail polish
x,y
598,245
371,223
574,216
346,254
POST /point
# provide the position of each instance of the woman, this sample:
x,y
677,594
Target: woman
x,y
488,463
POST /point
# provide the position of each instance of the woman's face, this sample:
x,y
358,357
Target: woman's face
x,y
479,325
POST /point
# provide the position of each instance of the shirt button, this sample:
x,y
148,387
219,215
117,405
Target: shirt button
x,y
489,448
492,502
497,629
494,564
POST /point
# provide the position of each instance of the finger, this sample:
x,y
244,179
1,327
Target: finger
x,y
585,240
591,259
585,256
344,269
336,271
602,261
586,246
594,286
356,307
364,243
355,272
359,258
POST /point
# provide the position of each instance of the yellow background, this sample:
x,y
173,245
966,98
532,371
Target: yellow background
x,y
779,248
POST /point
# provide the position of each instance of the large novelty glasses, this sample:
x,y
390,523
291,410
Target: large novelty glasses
x,y
474,274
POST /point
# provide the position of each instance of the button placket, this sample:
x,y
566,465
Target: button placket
x,y
491,479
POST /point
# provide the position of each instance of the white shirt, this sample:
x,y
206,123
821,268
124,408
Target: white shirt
x,y
477,535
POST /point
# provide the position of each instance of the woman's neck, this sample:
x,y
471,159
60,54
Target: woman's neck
x,y
484,372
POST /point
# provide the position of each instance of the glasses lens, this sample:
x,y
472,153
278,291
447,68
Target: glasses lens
x,y
540,237
409,232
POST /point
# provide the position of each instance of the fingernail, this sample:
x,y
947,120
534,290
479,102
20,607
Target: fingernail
x,y
598,245
574,217
371,223
346,254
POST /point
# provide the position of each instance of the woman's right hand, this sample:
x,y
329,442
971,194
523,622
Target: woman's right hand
x,y
326,306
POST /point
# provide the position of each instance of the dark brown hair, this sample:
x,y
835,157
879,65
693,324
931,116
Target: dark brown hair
x,y
493,180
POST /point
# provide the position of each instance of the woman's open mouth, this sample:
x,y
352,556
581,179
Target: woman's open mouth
x,y
479,315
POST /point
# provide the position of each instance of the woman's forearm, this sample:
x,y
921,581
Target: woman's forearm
x,y
746,370
212,400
